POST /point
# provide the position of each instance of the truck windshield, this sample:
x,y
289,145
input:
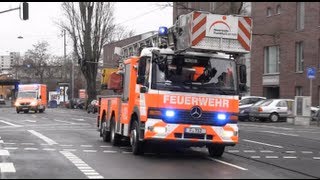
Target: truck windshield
x,y
29,94
194,74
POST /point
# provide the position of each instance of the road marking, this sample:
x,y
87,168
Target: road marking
x,y
255,157
126,152
272,157
27,143
1,142
8,143
33,121
247,140
286,134
77,119
105,146
31,149
69,149
34,116
66,145
11,148
86,145
229,164
7,167
249,151
46,139
289,157
14,125
233,151
74,159
48,149
306,152
4,152
318,158
266,151
45,144
290,152
44,118
63,121
89,150
109,151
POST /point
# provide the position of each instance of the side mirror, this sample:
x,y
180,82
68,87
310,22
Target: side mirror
x,y
243,74
40,97
140,80
143,89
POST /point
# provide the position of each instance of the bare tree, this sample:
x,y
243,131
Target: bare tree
x,y
90,25
38,59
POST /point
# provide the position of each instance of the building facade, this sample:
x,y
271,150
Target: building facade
x,y
286,42
7,61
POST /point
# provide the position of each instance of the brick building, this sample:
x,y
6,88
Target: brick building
x,y
286,41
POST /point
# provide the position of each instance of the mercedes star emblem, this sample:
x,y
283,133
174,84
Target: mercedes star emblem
x,y
196,112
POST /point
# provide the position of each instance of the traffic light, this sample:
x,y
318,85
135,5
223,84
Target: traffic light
x,y
25,11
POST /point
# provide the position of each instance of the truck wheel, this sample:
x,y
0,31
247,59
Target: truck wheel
x,y
137,146
41,110
26,111
274,117
115,138
17,110
104,131
216,150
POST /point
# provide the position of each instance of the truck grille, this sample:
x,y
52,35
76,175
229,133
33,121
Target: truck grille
x,y
24,103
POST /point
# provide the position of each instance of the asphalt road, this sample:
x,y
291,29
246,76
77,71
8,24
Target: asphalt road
x,y
64,144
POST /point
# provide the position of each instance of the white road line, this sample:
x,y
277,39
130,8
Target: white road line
x,y
266,151
86,145
4,152
8,143
109,151
290,152
126,152
1,142
66,145
46,139
31,149
27,143
255,157
249,151
272,157
266,126
77,119
89,150
105,146
33,121
318,158
69,149
229,164
48,149
247,140
14,125
289,157
306,152
11,148
90,173
7,167
233,151
286,134
63,121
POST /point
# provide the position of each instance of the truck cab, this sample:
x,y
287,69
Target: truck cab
x,y
31,97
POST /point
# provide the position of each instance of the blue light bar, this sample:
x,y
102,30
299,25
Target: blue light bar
x,y
163,31
222,116
169,113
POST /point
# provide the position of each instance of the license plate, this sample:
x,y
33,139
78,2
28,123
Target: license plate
x,y
194,130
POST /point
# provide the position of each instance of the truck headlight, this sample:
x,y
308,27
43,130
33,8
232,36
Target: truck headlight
x,y
33,103
228,133
17,104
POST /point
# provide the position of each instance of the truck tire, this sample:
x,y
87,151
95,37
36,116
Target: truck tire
x,y
41,110
216,150
137,146
18,111
104,131
26,111
115,138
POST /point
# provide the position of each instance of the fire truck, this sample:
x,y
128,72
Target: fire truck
x,y
180,86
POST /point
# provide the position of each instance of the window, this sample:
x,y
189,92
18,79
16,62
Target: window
x,y
299,56
212,6
271,59
281,104
269,12
298,91
300,15
278,10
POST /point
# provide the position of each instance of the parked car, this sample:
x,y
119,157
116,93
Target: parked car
x,y
93,107
272,109
244,106
2,101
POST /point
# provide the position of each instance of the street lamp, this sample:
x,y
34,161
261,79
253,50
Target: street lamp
x,y
20,37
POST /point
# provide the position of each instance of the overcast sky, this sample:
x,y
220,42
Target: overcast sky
x,y
139,16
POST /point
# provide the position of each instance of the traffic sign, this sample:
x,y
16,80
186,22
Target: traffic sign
x,y
311,73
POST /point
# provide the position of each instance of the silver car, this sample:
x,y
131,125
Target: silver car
x,y
272,109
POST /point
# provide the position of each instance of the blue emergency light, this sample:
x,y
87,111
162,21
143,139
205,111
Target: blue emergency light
x,y
170,113
163,31
222,116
